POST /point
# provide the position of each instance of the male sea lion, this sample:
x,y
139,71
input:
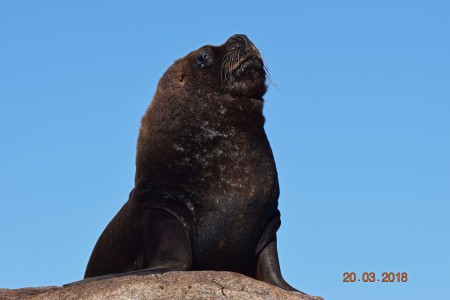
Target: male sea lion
x,y
206,187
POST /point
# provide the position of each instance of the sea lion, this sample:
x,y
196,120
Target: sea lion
x,y
206,186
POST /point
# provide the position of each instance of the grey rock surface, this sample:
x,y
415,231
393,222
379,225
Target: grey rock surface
x,y
171,285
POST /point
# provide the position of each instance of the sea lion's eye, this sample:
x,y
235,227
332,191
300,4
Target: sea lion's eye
x,y
202,58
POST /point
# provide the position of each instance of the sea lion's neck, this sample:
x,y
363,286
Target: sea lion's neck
x,y
177,132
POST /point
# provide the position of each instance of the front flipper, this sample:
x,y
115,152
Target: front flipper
x,y
268,267
157,243
154,270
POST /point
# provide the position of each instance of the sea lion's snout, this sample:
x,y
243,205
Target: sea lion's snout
x,y
241,43
242,69
240,54
239,38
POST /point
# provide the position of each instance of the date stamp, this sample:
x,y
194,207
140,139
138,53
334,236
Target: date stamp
x,y
372,277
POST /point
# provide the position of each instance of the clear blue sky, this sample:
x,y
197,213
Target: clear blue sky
x,y
359,125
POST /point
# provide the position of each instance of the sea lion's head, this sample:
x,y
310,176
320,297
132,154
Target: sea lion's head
x,y
235,68
212,94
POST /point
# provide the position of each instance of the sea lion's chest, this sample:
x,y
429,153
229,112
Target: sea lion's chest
x,y
235,193
233,170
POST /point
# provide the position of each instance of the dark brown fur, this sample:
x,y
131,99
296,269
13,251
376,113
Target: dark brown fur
x,y
206,188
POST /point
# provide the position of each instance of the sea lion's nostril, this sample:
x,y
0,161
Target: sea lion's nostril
x,y
238,38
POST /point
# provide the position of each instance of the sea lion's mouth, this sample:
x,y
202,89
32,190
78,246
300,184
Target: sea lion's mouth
x,y
237,67
251,61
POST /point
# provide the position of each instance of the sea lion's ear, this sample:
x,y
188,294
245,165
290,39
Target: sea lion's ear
x,y
180,77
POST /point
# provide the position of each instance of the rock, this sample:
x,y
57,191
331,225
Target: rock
x,y
171,285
